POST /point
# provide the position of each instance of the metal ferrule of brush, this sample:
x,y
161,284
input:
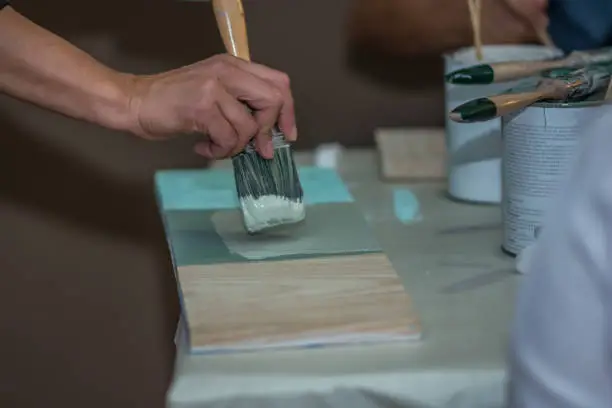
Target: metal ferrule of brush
x,y
278,138
278,141
269,190
587,81
257,176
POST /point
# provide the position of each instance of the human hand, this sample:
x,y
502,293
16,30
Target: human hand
x,y
433,27
208,97
513,21
533,11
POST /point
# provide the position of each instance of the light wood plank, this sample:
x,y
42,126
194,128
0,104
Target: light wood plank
x,y
281,301
409,154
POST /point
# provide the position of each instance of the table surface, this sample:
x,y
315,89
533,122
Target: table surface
x,y
461,283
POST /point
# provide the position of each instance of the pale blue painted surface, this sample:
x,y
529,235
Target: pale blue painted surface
x,y
215,189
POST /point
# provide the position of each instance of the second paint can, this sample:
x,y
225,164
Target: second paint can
x,y
474,149
539,144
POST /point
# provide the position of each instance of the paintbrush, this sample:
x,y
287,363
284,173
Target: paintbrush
x,y
483,74
574,86
269,190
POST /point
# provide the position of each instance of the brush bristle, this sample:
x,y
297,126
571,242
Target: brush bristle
x,y
269,190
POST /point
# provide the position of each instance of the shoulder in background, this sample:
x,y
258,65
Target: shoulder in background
x,y
580,25
433,27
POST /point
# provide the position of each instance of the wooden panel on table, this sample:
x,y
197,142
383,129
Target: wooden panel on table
x,y
411,153
302,300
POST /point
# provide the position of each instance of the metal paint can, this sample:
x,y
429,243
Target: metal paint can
x,y
474,149
539,144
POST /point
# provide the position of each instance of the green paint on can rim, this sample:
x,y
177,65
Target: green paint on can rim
x,y
477,110
476,75
557,72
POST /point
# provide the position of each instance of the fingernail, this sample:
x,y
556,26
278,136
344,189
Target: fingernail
x,y
270,149
293,134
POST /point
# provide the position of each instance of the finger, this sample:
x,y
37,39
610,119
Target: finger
x,y
266,119
281,83
237,115
247,87
211,150
222,137
265,100
204,149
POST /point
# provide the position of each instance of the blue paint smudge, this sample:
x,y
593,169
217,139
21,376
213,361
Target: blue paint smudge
x,y
406,206
323,186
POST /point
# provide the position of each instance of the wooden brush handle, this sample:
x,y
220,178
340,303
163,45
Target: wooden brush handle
x,y
232,27
508,71
509,103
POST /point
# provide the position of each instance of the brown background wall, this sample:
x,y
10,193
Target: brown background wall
x,y
87,298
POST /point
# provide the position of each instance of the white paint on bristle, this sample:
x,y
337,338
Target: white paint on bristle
x,y
269,211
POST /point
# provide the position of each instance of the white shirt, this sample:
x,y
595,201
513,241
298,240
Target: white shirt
x,y
561,342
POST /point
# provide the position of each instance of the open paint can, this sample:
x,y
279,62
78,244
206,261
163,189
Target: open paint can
x,y
539,146
474,149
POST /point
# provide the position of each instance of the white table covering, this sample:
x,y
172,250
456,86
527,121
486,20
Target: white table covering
x,y
461,284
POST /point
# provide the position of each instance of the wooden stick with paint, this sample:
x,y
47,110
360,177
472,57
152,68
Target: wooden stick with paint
x,y
574,86
507,71
232,27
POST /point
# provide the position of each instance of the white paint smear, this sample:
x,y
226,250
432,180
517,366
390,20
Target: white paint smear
x,y
271,244
327,230
269,211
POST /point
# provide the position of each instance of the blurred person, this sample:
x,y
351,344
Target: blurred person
x,y
206,97
580,25
416,27
561,338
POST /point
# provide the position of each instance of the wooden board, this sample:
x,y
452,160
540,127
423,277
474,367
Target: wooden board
x,y
300,302
412,153
322,282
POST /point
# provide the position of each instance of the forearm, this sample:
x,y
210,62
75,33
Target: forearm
x,y
40,67
407,27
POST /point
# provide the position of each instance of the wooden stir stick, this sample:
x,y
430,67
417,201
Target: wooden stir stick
x,y
232,27
544,37
475,7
